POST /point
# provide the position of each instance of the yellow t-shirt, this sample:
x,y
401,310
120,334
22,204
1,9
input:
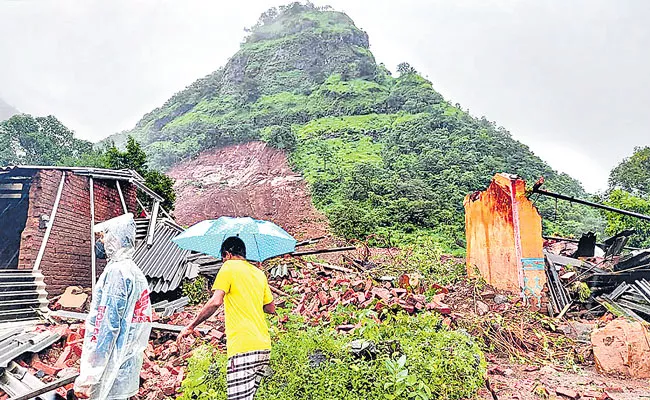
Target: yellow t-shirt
x,y
247,291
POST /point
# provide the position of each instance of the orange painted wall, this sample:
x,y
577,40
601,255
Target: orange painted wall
x,y
504,237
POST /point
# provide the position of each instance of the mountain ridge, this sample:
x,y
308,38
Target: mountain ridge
x,y
389,153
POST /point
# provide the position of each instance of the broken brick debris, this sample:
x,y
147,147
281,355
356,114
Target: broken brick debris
x,y
567,392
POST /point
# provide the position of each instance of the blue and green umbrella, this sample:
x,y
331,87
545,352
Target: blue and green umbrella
x,y
263,239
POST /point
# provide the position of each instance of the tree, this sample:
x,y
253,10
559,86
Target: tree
x,y
351,220
405,69
134,158
633,173
280,136
617,222
38,141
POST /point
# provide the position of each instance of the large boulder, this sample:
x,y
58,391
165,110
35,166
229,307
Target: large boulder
x,y
622,348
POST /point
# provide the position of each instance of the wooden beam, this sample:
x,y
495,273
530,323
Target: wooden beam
x,y
154,325
119,190
46,237
141,205
323,251
152,222
93,260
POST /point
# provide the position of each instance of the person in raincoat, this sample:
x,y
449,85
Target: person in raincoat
x,y
119,322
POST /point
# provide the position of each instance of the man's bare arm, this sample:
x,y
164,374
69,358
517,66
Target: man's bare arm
x,y
208,309
269,308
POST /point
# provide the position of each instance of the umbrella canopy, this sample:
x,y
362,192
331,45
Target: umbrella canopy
x,y
263,239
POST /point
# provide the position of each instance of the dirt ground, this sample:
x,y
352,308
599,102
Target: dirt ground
x,y
516,381
251,179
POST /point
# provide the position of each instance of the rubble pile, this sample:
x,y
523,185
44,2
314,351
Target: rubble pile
x,y
596,284
313,290
318,291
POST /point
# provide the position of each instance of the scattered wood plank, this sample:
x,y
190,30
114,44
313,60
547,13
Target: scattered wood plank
x,y
278,291
336,268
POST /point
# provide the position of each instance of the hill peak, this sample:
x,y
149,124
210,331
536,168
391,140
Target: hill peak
x,y
296,18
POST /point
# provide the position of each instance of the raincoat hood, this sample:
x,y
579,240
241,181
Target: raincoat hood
x,y
118,237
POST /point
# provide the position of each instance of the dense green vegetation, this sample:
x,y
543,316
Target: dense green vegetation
x,y
630,190
31,140
27,140
382,154
418,359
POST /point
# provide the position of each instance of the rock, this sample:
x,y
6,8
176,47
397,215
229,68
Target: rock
x,y
566,392
66,372
578,330
496,370
482,308
622,347
500,299
592,394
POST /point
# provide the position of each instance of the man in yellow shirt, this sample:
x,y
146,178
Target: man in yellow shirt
x,y
245,292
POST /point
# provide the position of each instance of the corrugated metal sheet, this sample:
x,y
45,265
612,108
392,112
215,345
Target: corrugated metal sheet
x,y
163,263
22,295
97,173
16,342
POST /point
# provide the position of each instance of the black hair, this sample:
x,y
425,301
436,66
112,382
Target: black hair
x,y
234,246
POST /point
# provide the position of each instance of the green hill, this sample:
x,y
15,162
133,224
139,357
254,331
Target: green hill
x,y
381,153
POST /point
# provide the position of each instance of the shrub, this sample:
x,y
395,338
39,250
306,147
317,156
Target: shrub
x,y
416,359
197,290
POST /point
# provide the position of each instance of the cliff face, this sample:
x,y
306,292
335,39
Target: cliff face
x,y
251,179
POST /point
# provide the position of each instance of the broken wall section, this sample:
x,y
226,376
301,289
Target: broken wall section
x,y
504,238
67,258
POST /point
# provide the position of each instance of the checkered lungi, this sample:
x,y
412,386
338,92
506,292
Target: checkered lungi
x,y
245,372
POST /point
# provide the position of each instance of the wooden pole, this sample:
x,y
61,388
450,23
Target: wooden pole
x,y
46,237
323,251
93,261
119,190
152,222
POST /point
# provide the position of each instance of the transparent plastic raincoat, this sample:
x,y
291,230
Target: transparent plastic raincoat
x,y
119,322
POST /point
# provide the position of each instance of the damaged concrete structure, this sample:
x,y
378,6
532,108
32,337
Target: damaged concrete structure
x,y
504,238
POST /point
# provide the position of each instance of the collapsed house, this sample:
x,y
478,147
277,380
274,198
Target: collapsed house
x,y
46,244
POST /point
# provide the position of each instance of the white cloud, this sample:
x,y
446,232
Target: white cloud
x,y
558,75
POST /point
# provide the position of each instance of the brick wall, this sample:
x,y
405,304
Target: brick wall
x,y
67,258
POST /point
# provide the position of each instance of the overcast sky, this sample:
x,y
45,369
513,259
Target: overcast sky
x,y
571,79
